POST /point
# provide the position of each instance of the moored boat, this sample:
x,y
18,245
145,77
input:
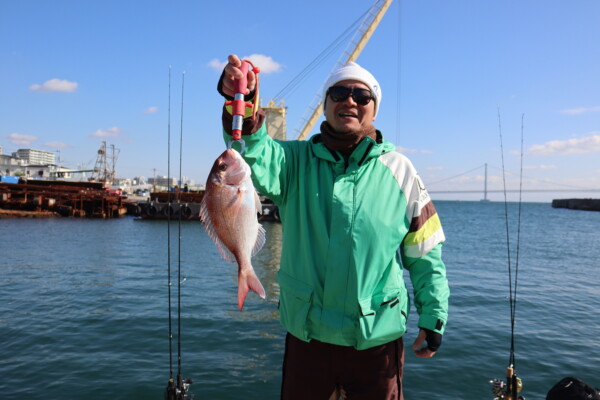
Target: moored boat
x,y
165,205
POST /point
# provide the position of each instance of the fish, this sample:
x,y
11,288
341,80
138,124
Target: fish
x,y
229,211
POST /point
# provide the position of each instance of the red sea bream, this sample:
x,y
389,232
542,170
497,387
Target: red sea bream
x,y
229,213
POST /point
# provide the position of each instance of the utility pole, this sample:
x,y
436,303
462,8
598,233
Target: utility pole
x,y
154,181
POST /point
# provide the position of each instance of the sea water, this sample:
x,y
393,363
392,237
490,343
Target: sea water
x,y
84,308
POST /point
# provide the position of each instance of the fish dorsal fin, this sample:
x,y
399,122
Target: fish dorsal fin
x,y
261,238
210,229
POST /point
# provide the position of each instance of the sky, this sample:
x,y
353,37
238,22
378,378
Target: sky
x,y
511,84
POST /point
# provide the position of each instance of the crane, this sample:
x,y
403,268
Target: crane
x,y
355,47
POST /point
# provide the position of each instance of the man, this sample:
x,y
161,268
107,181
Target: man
x,y
353,212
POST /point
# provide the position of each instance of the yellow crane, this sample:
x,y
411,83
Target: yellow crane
x,y
364,33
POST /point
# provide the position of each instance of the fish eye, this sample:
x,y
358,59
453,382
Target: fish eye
x,y
222,167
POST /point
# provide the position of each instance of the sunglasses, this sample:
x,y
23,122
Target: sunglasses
x,y
341,93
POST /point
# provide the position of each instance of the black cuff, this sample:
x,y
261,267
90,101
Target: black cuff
x,y
434,339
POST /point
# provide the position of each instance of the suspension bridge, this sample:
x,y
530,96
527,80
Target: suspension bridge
x,y
552,187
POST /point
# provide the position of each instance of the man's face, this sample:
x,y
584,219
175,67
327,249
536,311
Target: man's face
x,y
347,116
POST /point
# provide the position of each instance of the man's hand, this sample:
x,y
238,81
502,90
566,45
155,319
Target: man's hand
x,y
434,341
231,72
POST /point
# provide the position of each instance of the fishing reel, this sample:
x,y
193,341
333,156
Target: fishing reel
x,y
504,390
179,391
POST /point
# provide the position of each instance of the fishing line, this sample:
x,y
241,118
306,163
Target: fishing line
x,y
510,286
169,229
514,303
175,390
513,382
399,74
179,239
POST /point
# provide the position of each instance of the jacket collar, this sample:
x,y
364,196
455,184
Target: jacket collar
x,y
366,149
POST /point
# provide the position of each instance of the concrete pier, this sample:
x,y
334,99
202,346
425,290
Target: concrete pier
x,y
577,204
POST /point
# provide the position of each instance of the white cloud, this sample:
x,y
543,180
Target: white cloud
x,y
56,145
151,110
217,65
266,64
539,167
405,150
111,132
55,85
580,110
20,139
590,144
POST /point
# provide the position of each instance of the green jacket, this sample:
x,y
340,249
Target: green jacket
x,y
347,230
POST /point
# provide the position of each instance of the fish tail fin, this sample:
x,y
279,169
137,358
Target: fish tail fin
x,y
246,282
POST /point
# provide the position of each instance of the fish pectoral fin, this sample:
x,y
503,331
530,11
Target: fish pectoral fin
x,y
261,238
257,203
210,230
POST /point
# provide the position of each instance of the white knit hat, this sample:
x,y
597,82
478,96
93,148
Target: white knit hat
x,y
355,72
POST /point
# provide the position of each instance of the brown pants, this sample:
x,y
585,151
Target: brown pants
x,y
316,370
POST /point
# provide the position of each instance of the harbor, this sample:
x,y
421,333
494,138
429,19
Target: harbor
x,y
113,286
45,199
99,195
83,304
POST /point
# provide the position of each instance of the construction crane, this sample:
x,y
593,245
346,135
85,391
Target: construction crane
x,y
104,169
355,47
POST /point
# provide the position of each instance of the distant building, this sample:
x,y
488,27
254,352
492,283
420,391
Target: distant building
x,y
186,181
36,157
31,163
139,180
163,181
9,165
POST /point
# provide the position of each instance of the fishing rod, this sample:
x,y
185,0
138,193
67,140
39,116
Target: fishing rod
x,y
510,389
169,234
179,389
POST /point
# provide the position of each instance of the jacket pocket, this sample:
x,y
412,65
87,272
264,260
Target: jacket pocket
x,y
382,318
295,299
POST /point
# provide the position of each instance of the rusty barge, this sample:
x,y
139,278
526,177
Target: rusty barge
x,y
44,198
